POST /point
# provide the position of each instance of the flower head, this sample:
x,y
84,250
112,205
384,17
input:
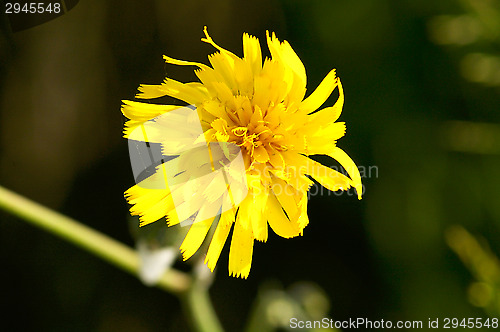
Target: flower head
x,y
259,106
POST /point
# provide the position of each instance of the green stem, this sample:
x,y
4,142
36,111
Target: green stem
x,y
197,301
192,292
85,237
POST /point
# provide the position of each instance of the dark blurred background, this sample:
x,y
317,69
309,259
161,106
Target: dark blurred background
x,y
421,82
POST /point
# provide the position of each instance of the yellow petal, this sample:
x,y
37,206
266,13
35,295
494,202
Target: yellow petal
x,y
224,95
262,86
244,216
216,188
329,178
276,159
217,109
339,104
149,204
284,53
351,168
220,125
210,41
286,197
303,219
278,221
321,94
184,63
258,219
191,93
296,94
158,132
329,114
259,225
271,86
224,67
243,76
332,132
137,194
257,116
298,165
243,108
172,218
209,76
293,61
194,238
260,154
252,52
139,111
219,238
240,253
324,139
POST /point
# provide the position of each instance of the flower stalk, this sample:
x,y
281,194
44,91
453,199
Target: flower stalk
x,y
194,296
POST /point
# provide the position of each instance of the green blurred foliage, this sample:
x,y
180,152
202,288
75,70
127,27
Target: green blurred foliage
x,y
484,266
421,86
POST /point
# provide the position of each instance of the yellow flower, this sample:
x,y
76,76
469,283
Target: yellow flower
x,y
260,108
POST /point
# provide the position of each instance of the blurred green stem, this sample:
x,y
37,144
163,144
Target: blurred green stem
x,y
197,301
195,296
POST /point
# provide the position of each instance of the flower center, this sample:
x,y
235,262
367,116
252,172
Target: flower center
x,y
249,140
259,134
